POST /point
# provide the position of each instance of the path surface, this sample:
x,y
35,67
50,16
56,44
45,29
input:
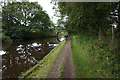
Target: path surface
x,y
66,58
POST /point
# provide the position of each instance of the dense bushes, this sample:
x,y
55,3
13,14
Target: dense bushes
x,y
5,39
20,33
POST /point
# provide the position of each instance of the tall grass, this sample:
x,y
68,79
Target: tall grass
x,y
90,61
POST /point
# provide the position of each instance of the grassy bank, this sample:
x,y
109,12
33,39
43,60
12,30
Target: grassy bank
x,y
42,69
90,61
60,76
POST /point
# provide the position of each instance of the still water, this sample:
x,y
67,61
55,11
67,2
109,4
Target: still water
x,y
20,56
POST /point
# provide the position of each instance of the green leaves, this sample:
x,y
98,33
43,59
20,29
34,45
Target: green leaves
x,y
20,17
96,19
87,16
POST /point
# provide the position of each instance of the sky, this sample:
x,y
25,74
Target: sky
x,y
47,6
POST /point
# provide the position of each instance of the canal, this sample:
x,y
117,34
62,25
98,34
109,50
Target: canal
x,y
20,56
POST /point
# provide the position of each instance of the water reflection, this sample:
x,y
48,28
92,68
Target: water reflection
x,y
2,52
18,57
62,39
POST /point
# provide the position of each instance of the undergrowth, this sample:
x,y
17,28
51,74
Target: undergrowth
x,y
90,58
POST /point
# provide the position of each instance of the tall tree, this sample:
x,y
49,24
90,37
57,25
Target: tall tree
x,y
21,17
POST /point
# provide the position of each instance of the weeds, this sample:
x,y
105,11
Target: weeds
x,y
60,76
90,59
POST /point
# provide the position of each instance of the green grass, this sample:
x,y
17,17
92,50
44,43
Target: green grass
x,y
88,58
42,69
60,76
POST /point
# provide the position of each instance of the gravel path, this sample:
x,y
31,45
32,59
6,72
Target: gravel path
x,y
68,65
64,56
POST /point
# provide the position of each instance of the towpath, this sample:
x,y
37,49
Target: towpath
x,y
65,58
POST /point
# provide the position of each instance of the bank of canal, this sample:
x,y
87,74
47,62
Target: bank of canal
x,y
43,68
21,56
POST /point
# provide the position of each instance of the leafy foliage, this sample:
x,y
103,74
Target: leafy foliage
x,y
87,16
5,39
22,19
97,20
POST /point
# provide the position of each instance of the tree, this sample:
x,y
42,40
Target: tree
x,y
19,18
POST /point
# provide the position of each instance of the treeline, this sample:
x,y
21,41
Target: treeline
x,y
98,20
24,20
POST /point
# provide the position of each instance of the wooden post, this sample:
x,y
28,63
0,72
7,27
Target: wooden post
x,y
112,40
112,34
100,33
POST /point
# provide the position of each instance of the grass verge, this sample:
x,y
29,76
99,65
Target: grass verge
x,y
42,69
60,76
89,60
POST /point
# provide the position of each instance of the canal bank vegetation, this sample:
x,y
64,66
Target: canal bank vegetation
x,y
95,42
25,21
89,59
42,69
60,76
5,38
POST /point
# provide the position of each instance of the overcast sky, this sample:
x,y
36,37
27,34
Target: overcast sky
x,y
47,6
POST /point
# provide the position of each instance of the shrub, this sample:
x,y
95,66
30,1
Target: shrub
x,y
5,39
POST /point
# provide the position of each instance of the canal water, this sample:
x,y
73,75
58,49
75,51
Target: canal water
x,y
20,56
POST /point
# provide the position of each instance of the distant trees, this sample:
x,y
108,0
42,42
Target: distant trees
x,y
22,19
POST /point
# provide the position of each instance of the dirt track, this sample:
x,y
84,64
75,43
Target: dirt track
x,y
66,58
